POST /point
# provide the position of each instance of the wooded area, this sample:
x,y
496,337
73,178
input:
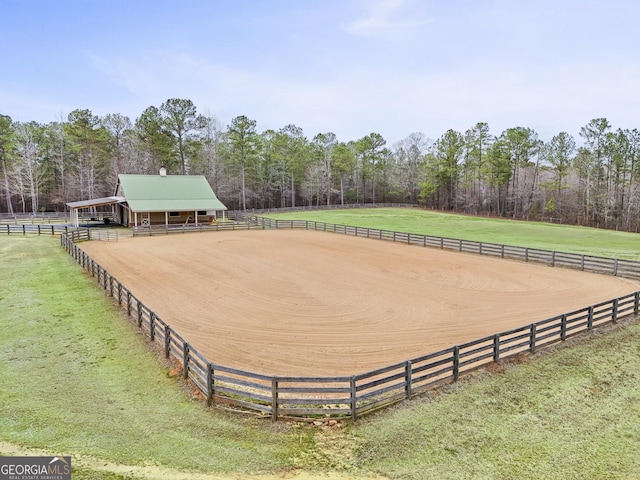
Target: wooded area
x,y
512,174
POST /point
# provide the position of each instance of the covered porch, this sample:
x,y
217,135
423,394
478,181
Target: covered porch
x,y
177,218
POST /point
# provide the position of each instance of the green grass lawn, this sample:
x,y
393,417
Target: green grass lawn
x,y
78,379
571,415
561,238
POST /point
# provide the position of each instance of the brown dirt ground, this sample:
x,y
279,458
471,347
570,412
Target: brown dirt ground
x,y
311,303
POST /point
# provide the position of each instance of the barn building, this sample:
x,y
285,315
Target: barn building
x,y
145,200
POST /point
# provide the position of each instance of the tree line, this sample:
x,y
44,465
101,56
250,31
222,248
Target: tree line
x,y
513,174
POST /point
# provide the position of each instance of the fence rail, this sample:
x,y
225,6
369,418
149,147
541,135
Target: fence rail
x,y
38,229
86,234
41,217
322,398
151,230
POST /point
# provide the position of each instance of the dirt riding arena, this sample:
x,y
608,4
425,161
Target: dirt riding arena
x,y
295,302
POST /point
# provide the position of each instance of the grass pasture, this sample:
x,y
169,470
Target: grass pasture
x,y
77,379
547,236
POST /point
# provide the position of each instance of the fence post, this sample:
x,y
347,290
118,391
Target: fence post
x,y
152,327
128,303
456,363
496,347
139,314
636,302
615,267
590,318
167,341
614,313
210,388
581,262
526,254
119,293
460,245
408,379
502,251
553,258
185,359
563,327
274,399
532,341
354,399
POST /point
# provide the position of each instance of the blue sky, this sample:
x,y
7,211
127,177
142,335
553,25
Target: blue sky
x,y
352,67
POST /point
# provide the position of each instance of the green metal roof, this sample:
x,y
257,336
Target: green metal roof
x,y
156,193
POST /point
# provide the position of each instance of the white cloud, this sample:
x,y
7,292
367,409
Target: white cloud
x,y
386,18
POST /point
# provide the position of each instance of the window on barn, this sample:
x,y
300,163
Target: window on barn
x,y
202,212
174,214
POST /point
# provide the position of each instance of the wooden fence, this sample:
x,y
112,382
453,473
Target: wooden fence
x,y
42,217
151,230
25,229
591,263
323,398
76,235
